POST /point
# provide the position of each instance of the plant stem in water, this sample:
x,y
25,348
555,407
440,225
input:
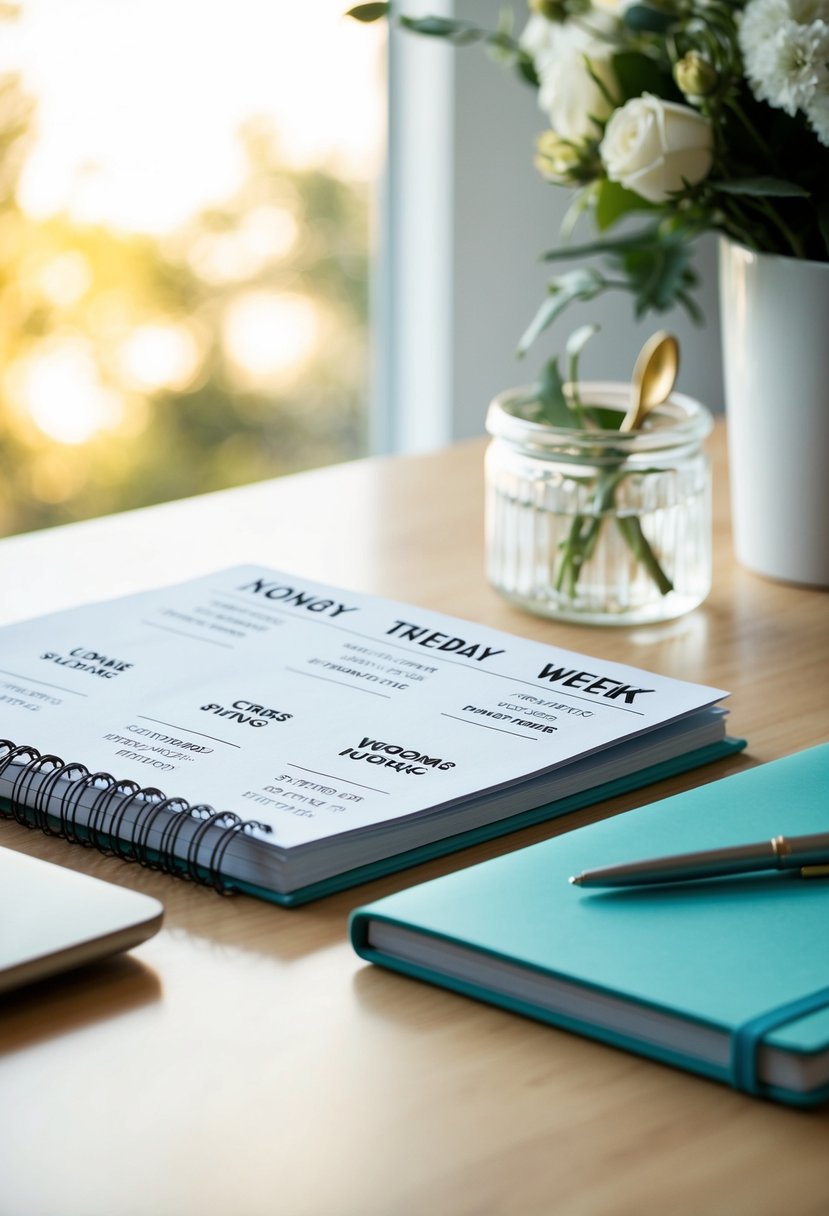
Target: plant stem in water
x,y
580,545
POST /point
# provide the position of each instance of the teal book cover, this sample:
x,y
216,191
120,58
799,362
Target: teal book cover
x,y
727,977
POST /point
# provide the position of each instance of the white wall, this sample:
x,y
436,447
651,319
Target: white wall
x,y
468,218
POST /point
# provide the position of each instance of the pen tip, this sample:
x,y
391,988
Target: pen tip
x,y
576,880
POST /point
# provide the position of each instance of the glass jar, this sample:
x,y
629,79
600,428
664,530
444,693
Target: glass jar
x,y
598,526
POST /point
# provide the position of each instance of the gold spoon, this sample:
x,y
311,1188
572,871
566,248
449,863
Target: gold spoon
x,y
654,375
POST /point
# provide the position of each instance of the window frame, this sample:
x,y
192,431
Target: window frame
x,y
465,218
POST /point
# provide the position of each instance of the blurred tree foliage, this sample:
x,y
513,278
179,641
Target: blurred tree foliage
x,y
135,370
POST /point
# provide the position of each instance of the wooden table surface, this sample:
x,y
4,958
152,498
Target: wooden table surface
x,y
245,1061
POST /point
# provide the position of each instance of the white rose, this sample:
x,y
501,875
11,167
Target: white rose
x,y
656,147
538,37
569,59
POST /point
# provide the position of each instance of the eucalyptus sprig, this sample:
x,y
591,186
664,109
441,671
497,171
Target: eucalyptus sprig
x,y
500,42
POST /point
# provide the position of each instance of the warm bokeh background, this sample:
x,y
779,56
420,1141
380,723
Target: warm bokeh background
x,y
185,233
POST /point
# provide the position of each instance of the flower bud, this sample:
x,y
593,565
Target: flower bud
x,y
561,161
695,75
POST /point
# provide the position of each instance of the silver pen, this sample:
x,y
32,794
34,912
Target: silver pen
x,y
809,854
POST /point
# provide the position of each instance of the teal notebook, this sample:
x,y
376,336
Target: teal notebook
x,y
726,977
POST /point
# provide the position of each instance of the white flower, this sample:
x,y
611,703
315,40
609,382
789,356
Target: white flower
x,y
538,37
575,71
818,114
806,11
760,22
656,147
785,45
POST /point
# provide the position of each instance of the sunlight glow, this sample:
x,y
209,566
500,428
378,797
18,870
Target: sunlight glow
x,y
268,335
59,387
138,123
266,235
185,231
64,279
161,355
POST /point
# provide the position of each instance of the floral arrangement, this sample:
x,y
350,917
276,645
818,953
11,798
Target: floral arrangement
x,y
667,119
691,116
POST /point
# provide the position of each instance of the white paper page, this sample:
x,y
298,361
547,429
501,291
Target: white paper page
x,y
309,708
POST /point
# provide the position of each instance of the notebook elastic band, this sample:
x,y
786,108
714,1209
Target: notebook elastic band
x,y
748,1038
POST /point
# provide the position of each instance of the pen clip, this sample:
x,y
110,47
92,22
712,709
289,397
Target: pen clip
x,y
817,871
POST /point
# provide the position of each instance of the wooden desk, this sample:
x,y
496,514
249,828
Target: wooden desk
x,y
246,1062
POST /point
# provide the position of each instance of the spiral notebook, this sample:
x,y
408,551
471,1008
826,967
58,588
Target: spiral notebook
x,y
257,731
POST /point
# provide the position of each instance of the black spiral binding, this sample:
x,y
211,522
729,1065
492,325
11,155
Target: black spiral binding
x,y
46,793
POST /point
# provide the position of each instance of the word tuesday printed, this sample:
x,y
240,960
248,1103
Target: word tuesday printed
x,y
423,636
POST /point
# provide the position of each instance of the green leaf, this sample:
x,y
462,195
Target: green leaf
x,y
549,393
653,264
637,74
575,346
368,12
436,27
581,201
525,68
581,284
761,187
546,314
650,20
613,201
636,240
576,343
603,418
691,307
657,275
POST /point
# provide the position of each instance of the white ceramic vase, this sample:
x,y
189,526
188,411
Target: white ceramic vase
x,y
775,338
